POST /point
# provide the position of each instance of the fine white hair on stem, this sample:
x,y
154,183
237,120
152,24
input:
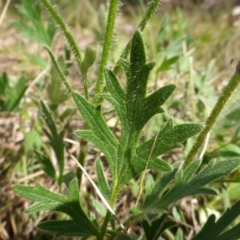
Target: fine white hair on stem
x,y
99,193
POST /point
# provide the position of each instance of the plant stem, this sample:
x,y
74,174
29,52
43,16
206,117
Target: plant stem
x,y
106,49
104,227
108,215
72,43
60,71
141,27
81,159
226,93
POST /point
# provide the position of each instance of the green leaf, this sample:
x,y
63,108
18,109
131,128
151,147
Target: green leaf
x,y
153,230
90,56
99,207
32,140
99,129
190,170
149,184
161,185
194,186
105,147
57,94
35,29
179,234
37,60
135,109
117,98
167,63
63,228
102,181
11,94
47,165
168,138
152,102
47,200
212,230
56,139
68,177
138,165
48,119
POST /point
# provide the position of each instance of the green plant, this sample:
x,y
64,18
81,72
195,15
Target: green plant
x,y
11,93
127,157
56,143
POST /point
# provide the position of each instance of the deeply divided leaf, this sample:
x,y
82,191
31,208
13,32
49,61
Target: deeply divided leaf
x,y
47,200
214,230
187,186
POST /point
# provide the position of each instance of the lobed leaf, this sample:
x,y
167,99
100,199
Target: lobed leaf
x,y
161,185
94,119
138,165
47,200
195,186
168,138
156,228
212,230
106,148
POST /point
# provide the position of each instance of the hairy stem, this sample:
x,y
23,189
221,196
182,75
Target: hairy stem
x,y
106,49
154,5
226,93
65,30
108,215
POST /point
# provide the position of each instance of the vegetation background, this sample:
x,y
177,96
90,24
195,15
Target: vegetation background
x,y
203,35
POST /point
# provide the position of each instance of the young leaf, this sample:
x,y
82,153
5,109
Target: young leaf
x,y
56,92
155,229
63,228
161,185
56,139
36,30
212,230
195,186
138,165
102,181
149,184
90,56
47,200
10,96
47,165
